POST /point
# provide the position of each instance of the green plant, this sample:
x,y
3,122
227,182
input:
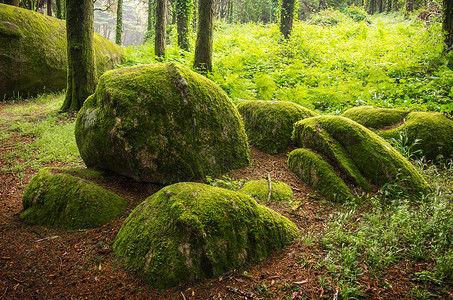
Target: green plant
x,y
226,182
404,145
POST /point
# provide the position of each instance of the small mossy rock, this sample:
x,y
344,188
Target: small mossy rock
x,y
269,124
55,198
433,130
160,123
319,174
33,56
192,231
374,117
259,189
358,152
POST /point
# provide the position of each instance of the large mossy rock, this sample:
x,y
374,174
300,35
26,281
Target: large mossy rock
x,y
191,231
359,153
433,130
259,189
319,174
33,56
269,124
59,198
160,123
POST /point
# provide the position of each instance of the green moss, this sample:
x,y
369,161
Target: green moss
x,y
35,56
319,174
433,130
161,123
358,152
55,198
269,124
374,117
259,189
191,231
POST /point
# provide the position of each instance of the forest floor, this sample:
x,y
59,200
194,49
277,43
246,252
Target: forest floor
x,y
38,262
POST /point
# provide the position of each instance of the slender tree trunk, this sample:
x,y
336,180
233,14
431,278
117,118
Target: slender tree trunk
x,y
447,22
82,77
58,13
286,18
119,22
49,7
183,11
150,15
203,47
160,28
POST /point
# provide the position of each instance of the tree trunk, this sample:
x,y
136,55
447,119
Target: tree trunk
x,y
49,7
119,22
203,47
58,13
286,18
183,11
160,28
150,15
82,77
447,22
409,5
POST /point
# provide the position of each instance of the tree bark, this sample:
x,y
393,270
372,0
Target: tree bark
x,y
183,11
119,22
203,47
447,22
160,28
286,18
58,13
49,7
82,77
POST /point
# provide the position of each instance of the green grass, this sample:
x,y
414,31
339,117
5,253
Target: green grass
x,y
51,133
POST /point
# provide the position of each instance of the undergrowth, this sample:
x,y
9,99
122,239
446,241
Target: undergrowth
x,y
332,62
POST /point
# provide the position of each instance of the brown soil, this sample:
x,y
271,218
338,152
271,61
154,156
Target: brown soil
x,y
38,262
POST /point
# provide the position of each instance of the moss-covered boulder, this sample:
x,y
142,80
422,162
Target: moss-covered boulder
x,y
33,56
319,174
269,124
160,123
358,152
374,117
191,231
432,130
60,198
259,189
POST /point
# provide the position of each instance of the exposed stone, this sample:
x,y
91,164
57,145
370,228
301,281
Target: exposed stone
x,y
33,56
269,124
160,123
56,197
192,231
259,189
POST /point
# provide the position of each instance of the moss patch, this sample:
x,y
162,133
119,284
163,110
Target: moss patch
x,y
374,117
161,123
55,198
358,152
319,174
269,124
259,189
191,231
33,56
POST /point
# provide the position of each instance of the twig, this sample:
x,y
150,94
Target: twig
x,y
184,297
4,293
47,238
270,187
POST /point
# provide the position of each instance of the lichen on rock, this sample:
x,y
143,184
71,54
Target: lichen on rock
x,y
360,154
259,189
269,124
160,123
314,170
192,231
54,197
33,56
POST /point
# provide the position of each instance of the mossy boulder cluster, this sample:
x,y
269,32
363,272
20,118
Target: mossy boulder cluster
x,y
160,123
33,56
269,124
191,231
361,156
259,189
60,198
433,130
